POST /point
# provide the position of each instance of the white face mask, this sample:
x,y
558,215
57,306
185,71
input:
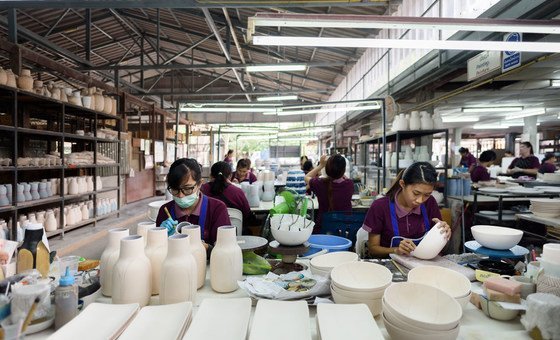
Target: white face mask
x,y
186,201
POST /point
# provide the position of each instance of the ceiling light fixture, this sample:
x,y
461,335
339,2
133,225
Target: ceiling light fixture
x,y
460,119
297,139
276,68
490,126
555,83
228,109
526,114
276,98
299,132
286,112
493,109
460,45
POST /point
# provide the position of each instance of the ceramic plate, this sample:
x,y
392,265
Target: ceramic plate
x,y
525,191
84,326
172,322
494,190
280,320
346,322
219,319
489,212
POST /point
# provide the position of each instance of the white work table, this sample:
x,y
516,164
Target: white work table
x,y
474,324
264,207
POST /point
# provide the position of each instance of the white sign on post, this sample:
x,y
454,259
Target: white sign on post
x,y
483,63
511,59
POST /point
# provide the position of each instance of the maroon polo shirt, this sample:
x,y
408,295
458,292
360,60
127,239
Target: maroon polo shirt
x,y
234,198
547,168
216,216
468,160
249,178
342,190
530,162
410,223
480,173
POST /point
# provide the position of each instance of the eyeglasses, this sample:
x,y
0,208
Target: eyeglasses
x,y
185,190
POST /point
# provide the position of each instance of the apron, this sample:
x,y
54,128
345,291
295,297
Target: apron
x,y
201,218
396,240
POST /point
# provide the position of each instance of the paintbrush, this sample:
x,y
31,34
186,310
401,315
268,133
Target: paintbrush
x,y
30,314
167,212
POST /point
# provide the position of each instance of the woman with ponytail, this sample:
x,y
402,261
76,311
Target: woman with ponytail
x,y
407,212
221,188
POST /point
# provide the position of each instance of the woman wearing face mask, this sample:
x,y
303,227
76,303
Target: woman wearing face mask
x,y
406,213
526,164
189,204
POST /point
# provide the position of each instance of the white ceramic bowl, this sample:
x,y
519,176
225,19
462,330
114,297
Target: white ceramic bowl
x,y
496,237
320,272
374,305
550,268
451,282
290,229
361,276
376,294
402,334
495,311
366,201
431,244
330,260
551,252
392,318
153,209
423,306
464,301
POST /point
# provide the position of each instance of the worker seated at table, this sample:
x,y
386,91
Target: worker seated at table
x,y
480,173
526,164
221,188
467,159
548,164
242,172
334,192
190,204
406,213
229,157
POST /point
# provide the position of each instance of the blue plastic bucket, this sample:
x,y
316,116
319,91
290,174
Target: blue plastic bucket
x,y
331,243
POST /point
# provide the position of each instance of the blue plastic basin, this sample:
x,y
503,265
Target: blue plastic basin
x,y
331,243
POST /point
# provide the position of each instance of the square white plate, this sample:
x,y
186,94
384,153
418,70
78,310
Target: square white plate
x,y
172,321
346,322
220,319
281,320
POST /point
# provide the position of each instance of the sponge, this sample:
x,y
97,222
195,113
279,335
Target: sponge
x,y
502,285
493,295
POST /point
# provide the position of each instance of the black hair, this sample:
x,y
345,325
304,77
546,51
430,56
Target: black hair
x,y
303,157
180,169
463,150
529,145
243,163
548,156
307,166
487,156
335,168
220,171
229,152
416,173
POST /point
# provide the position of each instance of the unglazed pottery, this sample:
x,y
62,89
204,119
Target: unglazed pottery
x,y
10,78
132,273
178,272
25,81
226,261
141,228
156,251
3,77
109,258
50,222
198,251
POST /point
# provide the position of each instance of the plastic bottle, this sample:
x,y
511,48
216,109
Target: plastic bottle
x,y
65,300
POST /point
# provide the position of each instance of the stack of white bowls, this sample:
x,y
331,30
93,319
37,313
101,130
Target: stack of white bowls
x,y
550,259
545,207
551,177
360,282
414,311
323,264
453,283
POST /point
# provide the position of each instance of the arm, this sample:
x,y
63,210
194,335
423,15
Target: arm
x,y
313,173
374,240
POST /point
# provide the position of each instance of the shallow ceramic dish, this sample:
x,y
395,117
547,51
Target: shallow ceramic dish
x,y
375,305
489,212
279,320
496,237
377,294
361,276
495,311
354,322
451,282
220,318
423,306
389,315
172,322
330,260
320,272
431,244
493,190
402,334
153,209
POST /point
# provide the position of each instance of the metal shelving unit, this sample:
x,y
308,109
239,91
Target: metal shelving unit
x,y
59,120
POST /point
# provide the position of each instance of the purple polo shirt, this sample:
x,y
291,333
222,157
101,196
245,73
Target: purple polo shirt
x,y
530,162
233,194
216,216
250,177
480,173
342,190
228,160
547,168
411,223
468,160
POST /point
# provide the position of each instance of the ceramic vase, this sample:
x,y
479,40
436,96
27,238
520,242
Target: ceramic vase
x,y
86,102
85,212
27,191
89,183
75,99
156,251
25,81
107,105
56,93
226,261
114,107
132,273
426,122
3,77
109,257
43,190
34,191
73,188
98,183
9,192
11,78
99,101
268,193
395,125
40,216
142,228
20,195
403,122
54,186
3,196
198,251
48,188
178,272
414,123
38,87
254,200
50,222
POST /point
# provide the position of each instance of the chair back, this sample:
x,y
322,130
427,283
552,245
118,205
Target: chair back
x,y
236,219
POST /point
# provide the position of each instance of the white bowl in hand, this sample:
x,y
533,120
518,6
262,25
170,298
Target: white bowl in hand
x,y
432,243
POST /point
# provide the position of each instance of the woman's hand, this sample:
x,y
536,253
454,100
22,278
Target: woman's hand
x,y
405,247
444,228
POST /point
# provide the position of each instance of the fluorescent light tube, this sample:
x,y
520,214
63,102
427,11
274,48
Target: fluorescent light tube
x,y
460,119
227,109
555,83
297,139
284,112
276,68
489,126
462,45
493,109
276,98
299,132
256,137
525,114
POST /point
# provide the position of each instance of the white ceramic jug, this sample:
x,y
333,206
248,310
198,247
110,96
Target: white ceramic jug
x,y
132,273
178,277
108,259
226,261
198,251
156,251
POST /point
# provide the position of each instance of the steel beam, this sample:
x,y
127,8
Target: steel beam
x,y
88,34
223,94
53,26
12,25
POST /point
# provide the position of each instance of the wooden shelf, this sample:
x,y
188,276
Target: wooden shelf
x,y
34,168
107,190
7,168
7,128
42,201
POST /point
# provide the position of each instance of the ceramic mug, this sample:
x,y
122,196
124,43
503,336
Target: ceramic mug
x,y
533,269
527,285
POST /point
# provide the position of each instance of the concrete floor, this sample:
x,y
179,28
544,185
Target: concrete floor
x,y
90,241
